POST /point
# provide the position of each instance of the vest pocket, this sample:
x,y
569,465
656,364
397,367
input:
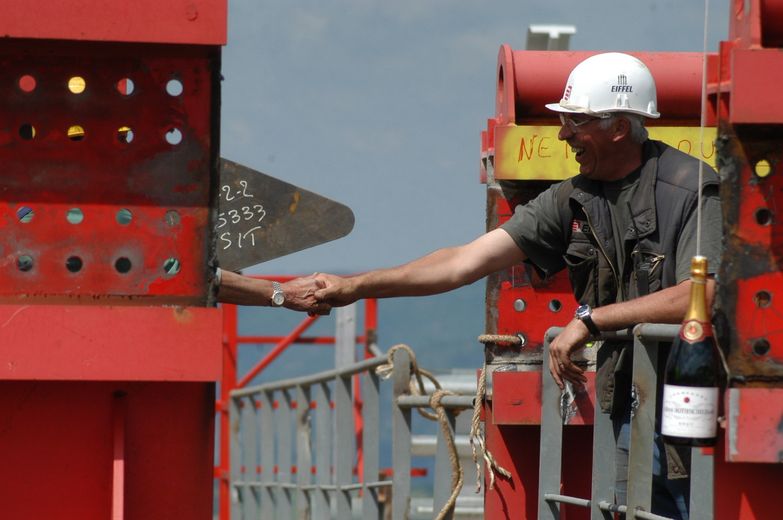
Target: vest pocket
x,y
580,259
647,271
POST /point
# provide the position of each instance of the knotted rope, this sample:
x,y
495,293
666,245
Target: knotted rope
x,y
477,437
477,440
416,387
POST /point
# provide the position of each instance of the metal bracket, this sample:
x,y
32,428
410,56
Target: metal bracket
x,y
261,218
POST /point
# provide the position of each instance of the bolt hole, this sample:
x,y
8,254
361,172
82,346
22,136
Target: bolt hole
x,y
762,168
25,214
125,134
763,217
555,305
122,265
74,264
75,133
171,266
762,299
24,263
172,218
74,216
761,347
27,83
125,86
77,85
174,136
124,216
174,87
27,132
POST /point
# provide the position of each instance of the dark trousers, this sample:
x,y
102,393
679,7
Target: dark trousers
x,y
670,497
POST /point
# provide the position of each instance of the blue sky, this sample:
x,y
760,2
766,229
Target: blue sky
x,y
380,104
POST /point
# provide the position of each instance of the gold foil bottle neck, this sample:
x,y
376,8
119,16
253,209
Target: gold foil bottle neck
x,y
697,307
699,268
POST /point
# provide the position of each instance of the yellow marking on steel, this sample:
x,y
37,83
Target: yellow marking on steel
x,y
535,153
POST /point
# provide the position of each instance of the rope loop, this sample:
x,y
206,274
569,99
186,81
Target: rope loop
x,y
477,440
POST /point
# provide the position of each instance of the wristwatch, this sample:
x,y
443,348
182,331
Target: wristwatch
x,y
278,296
584,314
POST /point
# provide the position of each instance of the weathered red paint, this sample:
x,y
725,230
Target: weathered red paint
x,y
162,189
173,21
516,399
754,425
110,347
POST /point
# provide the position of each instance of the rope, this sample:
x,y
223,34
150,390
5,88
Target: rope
x,y
477,442
457,476
417,388
416,385
500,339
477,437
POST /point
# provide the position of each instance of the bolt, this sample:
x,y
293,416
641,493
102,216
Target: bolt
x,y
519,305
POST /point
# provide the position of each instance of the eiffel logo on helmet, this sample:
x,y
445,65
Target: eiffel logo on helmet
x,y
622,84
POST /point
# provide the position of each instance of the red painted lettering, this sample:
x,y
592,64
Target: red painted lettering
x,y
543,147
523,152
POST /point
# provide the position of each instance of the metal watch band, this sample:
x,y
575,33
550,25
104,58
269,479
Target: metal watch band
x,y
277,289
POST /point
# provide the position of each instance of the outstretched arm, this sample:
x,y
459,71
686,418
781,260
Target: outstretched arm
x,y
438,272
243,290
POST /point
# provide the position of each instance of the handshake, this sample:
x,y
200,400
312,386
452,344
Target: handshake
x,y
314,294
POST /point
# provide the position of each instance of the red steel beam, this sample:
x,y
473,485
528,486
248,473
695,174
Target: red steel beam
x,y
201,22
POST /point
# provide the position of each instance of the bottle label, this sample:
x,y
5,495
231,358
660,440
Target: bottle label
x,y
694,331
689,411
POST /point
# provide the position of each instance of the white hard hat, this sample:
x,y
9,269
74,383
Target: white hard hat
x,y
609,82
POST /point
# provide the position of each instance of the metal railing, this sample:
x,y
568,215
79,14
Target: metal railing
x,y
292,453
232,380
646,338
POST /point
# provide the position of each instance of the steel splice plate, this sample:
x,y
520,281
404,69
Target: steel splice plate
x,y
261,218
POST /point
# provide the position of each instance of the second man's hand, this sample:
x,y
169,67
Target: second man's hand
x,y
570,339
335,291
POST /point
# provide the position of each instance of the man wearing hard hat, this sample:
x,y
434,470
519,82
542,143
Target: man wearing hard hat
x,y
625,228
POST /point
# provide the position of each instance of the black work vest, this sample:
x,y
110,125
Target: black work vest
x,y
665,197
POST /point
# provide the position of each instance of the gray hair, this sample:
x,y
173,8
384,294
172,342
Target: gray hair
x,y
638,131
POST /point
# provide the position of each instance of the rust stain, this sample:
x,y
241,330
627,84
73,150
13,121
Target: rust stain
x,y
183,315
295,203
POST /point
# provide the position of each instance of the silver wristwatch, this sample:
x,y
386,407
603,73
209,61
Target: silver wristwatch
x,y
278,296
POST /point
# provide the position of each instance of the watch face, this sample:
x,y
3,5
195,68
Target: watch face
x,y
278,298
582,310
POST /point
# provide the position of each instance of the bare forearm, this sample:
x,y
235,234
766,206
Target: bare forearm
x,y
243,290
666,306
431,274
438,272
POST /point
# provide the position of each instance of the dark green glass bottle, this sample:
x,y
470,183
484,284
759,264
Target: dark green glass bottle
x,y
692,376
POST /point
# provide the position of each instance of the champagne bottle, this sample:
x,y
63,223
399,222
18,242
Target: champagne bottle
x,y
691,380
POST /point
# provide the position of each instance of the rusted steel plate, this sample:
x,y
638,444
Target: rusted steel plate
x,y
261,218
108,154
